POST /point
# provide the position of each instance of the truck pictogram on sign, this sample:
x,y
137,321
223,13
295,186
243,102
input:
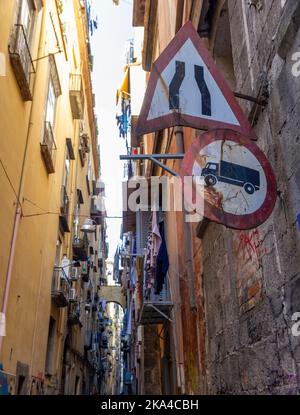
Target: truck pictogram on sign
x,y
231,173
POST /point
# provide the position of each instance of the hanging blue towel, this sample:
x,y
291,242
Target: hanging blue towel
x,y
162,261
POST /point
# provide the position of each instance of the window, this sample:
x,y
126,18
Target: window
x,y
26,17
76,218
21,383
58,252
48,145
22,377
89,177
66,169
51,104
20,43
50,347
54,91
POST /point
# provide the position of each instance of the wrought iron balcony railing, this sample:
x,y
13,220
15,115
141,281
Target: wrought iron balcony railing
x,y
156,308
76,96
48,148
60,287
74,314
21,60
80,248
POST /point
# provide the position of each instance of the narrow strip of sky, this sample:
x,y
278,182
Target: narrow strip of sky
x,y
108,45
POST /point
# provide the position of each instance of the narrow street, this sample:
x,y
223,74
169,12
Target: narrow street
x,y
150,198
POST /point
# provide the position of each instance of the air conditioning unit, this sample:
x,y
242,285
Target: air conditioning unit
x,y
74,273
72,294
65,265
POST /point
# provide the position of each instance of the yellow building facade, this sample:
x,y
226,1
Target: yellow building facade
x,y
48,180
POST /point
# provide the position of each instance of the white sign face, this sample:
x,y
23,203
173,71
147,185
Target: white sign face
x,y
232,172
190,96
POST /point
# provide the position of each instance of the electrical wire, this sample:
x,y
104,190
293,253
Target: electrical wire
x,y
34,204
8,179
46,212
57,213
40,214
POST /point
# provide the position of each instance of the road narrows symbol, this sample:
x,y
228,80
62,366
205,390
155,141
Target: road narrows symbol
x,y
175,85
205,94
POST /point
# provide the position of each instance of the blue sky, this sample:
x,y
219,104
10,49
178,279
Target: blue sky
x,y
108,44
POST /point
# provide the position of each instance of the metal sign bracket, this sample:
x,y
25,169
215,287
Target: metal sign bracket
x,y
155,158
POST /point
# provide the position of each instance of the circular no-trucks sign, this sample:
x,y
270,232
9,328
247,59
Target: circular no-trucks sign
x,y
238,185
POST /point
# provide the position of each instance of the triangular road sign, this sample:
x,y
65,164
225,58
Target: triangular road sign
x,y
186,88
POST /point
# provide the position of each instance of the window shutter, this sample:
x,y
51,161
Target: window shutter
x,y
54,75
142,229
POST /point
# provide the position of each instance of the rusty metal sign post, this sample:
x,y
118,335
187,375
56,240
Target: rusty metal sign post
x,y
239,185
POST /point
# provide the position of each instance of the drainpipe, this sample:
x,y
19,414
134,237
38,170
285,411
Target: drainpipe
x,y
178,131
18,210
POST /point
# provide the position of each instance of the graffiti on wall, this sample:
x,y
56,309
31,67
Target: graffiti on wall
x,y
251,245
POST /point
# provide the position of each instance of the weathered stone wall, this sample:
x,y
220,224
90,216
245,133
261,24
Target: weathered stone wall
x,y
252,279
152,372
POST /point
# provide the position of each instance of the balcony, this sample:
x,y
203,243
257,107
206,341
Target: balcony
x,y
48,148
74,314
96,214
80,248
76,96
83,148
21,60
60,287
64,210
156,308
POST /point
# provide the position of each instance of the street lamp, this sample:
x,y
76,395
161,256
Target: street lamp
x,y
89,226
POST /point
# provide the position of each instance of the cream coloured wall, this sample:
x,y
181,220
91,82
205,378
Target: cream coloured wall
x,y
29,306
